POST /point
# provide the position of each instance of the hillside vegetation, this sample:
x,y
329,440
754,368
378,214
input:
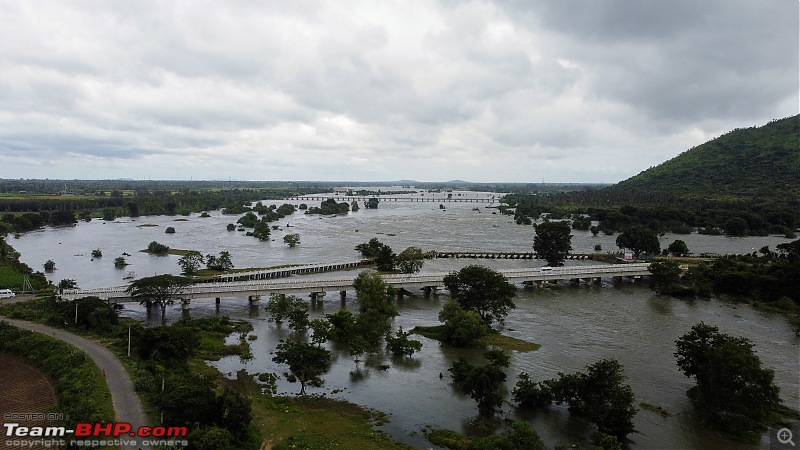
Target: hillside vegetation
x,y
746,182
758,162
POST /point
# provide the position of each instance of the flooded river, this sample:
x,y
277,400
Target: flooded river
x,y
575,325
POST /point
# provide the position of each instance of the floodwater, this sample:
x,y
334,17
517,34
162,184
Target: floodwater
x,y
575,325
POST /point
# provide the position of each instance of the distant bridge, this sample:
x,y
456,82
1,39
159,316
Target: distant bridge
x,y
422,198
500,255
429,283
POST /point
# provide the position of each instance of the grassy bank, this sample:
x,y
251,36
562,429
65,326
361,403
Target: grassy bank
x,y
494,338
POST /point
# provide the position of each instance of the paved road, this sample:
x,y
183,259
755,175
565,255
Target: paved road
x,y
127,406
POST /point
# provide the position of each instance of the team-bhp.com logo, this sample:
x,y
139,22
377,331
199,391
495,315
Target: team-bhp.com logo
x,y
88,434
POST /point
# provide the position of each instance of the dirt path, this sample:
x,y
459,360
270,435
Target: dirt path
x,y
127,406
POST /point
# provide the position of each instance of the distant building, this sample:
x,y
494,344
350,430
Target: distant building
x,y
340,190
627,255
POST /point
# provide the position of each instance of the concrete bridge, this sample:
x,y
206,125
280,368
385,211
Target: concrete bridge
x,y
283,272
317,289
500,255
422,198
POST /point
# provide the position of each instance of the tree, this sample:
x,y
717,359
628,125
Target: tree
x,y
49,265
665,275
400,345
521,436
639,239
410,260
483,290
342,326
553,242
733,392
678,248
307,362
291,239
97,253
260,231
373,294
288,307
191,262
372,203
67,283
249,220
461,328
159,289
222,262
385,259
482,383
529,394
600,395
119,262
230,227
92,314
736,226
170,230
376,307
157,249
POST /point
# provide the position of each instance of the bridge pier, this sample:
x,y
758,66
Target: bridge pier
x,y
343,296
254,299
317,296
428,290
185,304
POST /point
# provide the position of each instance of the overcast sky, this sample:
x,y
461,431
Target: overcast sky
x,y
517,91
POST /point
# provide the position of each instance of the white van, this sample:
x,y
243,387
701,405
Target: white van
x,y
7,293
545,269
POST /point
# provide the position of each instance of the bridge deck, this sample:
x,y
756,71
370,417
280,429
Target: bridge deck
x,y
429,280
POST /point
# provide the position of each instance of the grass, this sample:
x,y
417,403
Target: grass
x,y
495,339
450,439
172,251
313,422
656,409
10,278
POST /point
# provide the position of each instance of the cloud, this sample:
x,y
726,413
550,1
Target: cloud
x,y
479,90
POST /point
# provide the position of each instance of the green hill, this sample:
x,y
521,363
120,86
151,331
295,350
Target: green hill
x,y
760,163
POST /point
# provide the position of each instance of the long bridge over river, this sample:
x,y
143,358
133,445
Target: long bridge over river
x,y
390,198
318,288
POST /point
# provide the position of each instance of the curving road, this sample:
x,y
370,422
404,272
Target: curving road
x,y
127,406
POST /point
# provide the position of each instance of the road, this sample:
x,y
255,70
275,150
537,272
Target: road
x,y
127,406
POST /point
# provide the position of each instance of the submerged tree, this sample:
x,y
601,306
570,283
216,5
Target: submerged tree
x,y
483,383
291,239
734,393
553,242
639,239
483,290
191,262
307,362
410,260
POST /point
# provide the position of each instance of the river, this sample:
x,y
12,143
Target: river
x,y
575,325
